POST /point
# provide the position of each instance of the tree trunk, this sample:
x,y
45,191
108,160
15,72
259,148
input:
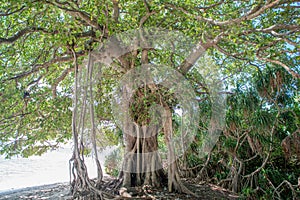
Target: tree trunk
x,y
142,164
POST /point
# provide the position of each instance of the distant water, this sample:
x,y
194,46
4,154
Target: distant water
x,y
51,167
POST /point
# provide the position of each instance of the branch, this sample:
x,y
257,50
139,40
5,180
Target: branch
x,y
292,72
116,10
211,6
196,53
259,56
27,30
269,151
59,79
272,30
147,6
45,65
77,13
290,42
279,27
34,82
289,185
16,36
144,18
250,15
89,33
10,13
15,115
234,55
256,11
85,17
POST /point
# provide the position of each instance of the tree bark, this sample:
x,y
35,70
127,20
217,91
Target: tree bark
x,y
174,181
142,164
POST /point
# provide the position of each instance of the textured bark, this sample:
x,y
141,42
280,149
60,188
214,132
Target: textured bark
x,y
174,181
142,164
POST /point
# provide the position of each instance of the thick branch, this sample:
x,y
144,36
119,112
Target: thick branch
x,y
116,10
16,36
196,53
27,30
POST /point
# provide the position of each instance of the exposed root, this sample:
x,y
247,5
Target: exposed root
x,y
174,181
289,186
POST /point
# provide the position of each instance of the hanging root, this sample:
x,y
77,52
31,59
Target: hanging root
x,y
174,180
84,188
81,184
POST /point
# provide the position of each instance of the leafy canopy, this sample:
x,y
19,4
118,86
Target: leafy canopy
x,y
39,38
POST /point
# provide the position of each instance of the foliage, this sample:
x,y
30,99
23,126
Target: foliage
x,y
112,162
143,100
253,141
255,44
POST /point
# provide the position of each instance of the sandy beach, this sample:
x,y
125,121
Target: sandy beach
x,y
55,191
